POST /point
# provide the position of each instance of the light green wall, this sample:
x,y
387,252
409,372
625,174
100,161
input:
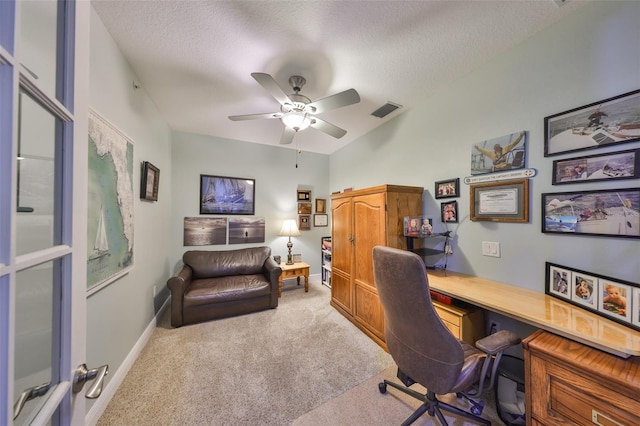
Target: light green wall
x,y
592,55
277,182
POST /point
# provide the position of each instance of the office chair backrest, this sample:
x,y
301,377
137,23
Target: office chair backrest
x,y
420,344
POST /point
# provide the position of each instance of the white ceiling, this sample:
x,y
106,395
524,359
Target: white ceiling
x,y
194,58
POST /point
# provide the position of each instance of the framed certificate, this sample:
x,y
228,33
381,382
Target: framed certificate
x,y
502,201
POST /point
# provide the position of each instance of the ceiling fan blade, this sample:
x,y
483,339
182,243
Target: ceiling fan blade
x,y
287,136
272,87
328,128
339,100
255,116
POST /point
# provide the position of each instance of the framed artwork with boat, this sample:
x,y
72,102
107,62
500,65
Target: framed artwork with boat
x,y
593,168
607,122
227,195
613,213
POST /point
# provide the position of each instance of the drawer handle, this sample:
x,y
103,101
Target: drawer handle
x,y
602,420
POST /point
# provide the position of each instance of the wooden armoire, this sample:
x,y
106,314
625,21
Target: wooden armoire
x,y
362,219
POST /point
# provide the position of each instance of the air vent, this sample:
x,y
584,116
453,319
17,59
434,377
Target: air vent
x,y
385,110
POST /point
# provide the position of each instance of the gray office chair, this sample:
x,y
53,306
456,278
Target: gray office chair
x,y
423,348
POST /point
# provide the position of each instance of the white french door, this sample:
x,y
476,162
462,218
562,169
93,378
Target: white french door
x,y
43,211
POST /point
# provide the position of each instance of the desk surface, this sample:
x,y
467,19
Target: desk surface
x,y
540,310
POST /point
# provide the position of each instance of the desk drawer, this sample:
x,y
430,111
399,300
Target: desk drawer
x,y
452,318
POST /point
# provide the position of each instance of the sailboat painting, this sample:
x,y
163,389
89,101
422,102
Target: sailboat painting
x,y
110,204
226,195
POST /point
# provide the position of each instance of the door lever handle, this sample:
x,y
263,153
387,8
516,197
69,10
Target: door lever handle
x,y
83,375
28,395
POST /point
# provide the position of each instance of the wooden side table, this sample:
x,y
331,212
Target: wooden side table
x,y
297,270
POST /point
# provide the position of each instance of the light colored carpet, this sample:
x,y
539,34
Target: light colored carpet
x,y
302,363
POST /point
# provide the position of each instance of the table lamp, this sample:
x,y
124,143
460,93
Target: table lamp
x,y
289,229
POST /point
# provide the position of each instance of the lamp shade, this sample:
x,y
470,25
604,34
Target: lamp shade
x,y
290,228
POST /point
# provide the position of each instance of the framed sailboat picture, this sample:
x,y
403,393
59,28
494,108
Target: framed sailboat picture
x,y
227,195
604,212
593,168
599,124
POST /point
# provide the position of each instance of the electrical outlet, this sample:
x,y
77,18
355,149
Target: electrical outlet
x,y
490,248
494,327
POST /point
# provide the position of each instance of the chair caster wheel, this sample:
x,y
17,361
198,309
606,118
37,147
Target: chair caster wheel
x,y
382,387
477,408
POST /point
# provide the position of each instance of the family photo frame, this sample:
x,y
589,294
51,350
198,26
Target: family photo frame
x,y
227,195
618,300
593,168
596,125
501,201
449,212
612,213
447,188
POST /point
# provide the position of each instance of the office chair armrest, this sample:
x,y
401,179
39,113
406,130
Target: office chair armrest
x,y
497,342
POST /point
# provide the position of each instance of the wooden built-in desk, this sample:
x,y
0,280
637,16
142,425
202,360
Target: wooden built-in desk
x,y
540,310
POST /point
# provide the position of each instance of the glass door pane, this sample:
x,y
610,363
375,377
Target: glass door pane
x,y
37,181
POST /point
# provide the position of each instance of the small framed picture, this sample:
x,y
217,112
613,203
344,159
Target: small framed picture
x,y
584,290
615,299
593,168
558,281
448,188
149,182
297,258
304,208
449,212
321,205
304,222
304,195
320,220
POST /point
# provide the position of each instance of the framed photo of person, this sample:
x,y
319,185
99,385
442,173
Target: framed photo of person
x,y
635,305
449,212
599,167
584,289
447,188
596,125
615,299
558,281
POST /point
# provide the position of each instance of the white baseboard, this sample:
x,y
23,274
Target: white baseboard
x,y
117,378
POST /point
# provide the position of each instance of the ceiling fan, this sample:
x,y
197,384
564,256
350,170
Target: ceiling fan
x,y
297,112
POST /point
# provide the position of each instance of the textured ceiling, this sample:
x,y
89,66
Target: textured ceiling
x,y
194,58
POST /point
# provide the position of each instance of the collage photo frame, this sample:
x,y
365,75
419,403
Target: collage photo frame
x,y
618,300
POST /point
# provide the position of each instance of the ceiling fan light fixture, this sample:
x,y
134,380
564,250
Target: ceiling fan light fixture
x,y
296,120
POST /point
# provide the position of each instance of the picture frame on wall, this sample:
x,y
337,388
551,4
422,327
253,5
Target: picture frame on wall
x,y
321,205
304,208
614,299
320,220
600,212
596,125
227,195
149,182
558,281
499,154
593,168
304,195
304,222
501,201
447,188
448,212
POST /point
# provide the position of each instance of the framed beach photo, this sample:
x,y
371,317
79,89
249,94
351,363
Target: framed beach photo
x,y
447,188
558,281
599,167
584,290
615,300
227,195
602,212
501,201
598,124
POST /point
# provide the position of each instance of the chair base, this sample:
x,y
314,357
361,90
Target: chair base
x,y
430,405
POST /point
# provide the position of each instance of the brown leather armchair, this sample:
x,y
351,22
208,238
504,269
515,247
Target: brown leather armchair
x,y
217,284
